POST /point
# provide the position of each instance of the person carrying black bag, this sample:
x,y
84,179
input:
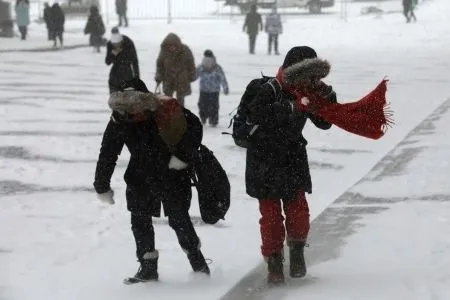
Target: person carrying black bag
x,y
163,139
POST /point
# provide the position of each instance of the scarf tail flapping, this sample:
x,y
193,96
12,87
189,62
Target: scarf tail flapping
x,y
369,117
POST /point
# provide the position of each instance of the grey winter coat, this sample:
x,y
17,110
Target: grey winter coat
x,y
273,24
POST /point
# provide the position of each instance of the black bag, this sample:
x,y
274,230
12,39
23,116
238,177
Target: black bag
x,y
242,129
213,186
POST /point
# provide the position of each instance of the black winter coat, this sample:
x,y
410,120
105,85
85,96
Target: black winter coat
x,y
125,64
57,19
148,177
277,162
96,28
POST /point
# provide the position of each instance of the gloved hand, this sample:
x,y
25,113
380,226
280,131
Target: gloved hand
x,y
226,91
177,164
107,197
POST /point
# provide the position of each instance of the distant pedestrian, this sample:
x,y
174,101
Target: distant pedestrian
x,y
121,10
253,24
23,17
57,21
273,28
121,53
47,12
175,68
96,28
212,77
408,10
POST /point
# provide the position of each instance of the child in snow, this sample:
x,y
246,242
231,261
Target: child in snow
x,y
211,78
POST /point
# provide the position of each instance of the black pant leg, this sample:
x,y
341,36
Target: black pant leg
x,y
181,223
214,109
143,232
275,41
252,41
269,43
202,107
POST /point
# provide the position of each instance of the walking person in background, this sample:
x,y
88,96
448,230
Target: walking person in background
x,y
96,28
252,25
22,9
57,20
273,29
211,77
121,10
46,14
175,68
408,10
121,53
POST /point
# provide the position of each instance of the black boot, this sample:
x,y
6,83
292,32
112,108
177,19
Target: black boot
x,y
297,259
148,271
198,262
275,269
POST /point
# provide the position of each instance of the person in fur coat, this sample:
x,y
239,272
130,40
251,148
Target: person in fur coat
x,y
163,139
212,77
277,170
175,68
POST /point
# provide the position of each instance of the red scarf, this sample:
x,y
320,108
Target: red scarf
x,y
368,117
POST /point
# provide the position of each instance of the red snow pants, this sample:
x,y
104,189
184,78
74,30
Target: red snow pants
x,y
274,227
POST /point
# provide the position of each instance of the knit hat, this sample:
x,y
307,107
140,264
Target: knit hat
x,y
208,53
298,54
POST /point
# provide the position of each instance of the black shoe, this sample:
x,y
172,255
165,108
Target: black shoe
x,y
198,262
275,269
148,271
297,262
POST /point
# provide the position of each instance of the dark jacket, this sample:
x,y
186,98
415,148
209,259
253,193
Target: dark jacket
x,y
56,19
148,177
95,27
125,64
121,7
277,161
46,16
253,23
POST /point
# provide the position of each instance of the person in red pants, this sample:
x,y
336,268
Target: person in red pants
x,y
277,170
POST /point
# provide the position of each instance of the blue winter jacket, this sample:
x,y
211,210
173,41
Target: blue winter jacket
x,y
22,14
210,81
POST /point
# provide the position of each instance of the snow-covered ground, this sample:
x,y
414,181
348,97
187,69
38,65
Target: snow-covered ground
x,y
58,242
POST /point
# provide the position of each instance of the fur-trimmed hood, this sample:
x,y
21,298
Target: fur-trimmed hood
x,y
133,102
305,70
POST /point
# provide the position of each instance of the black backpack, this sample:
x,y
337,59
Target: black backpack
x,y
213,186
241,128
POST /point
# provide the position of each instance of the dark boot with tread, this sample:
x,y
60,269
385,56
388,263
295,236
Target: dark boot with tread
x,y
275,269
297,268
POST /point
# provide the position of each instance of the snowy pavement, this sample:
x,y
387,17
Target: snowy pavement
x,y
56,237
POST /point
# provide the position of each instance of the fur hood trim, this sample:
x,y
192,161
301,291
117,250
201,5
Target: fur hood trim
x,y
305,70
133,102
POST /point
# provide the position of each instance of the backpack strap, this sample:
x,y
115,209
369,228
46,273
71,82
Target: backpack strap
x,y
275,85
